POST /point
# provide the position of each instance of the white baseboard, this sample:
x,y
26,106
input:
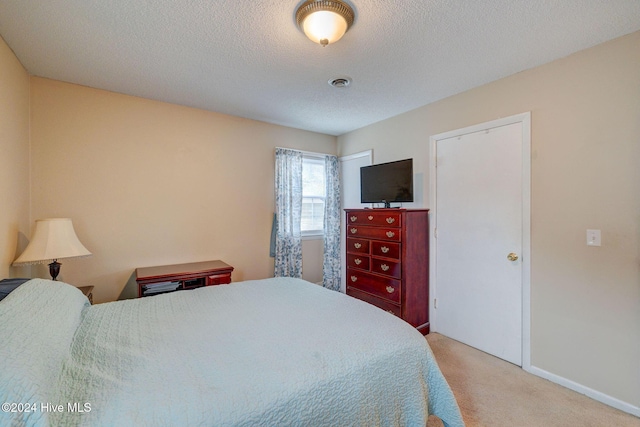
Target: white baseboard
x,y
594,394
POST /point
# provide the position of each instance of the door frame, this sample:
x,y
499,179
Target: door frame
x,y
343,244
525,120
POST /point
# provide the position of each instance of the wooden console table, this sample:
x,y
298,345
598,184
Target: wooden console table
x,y
182,276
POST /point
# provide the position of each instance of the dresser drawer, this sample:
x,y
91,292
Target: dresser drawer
x,y
386,267
358,261
373,217
218,279
382,287
379,233
360,246
385,249
380,303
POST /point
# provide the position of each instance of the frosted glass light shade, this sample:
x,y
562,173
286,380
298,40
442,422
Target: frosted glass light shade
x,y
54,238
324,25
324,21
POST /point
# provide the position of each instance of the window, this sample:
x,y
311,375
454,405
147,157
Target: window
x,y
313,196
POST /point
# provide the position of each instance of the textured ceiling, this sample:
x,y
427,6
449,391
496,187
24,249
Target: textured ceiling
x,y
248,58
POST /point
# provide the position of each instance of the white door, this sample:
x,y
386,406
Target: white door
x,y
350,185
479,238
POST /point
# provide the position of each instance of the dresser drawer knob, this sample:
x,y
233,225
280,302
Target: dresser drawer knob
x,y
391,220
354,278
354,218
358,261
384,267
384,249
354,230
370,217
390,234
357,245
390,289
390,311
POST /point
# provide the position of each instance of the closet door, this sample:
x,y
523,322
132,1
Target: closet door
x,y
479,239
350,185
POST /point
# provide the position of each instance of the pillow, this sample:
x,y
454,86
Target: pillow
x,y
8,285
37,324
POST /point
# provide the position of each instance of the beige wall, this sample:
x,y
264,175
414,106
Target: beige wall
x,y
585,301
149,183
14,160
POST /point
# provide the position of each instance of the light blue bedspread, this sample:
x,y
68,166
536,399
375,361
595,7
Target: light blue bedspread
x,y
274,352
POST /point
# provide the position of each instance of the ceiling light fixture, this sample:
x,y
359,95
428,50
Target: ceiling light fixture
x,y
324,21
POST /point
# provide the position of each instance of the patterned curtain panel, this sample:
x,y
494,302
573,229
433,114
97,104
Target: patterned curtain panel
x,y
331,263
288,259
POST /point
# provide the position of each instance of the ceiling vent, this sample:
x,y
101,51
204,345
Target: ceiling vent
x,y
340,82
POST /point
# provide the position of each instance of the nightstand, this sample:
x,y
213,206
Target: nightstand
x,y
88,292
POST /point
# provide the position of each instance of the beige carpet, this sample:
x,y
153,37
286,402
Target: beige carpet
x,y
492,392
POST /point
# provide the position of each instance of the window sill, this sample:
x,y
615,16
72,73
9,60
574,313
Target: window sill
x,y
315,236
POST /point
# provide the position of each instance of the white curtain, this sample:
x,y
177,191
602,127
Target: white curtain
x,y
331,262
288,253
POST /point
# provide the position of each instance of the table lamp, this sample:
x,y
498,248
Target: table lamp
x,y
53,239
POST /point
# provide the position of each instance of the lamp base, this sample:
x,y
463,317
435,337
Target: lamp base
x,y
54,269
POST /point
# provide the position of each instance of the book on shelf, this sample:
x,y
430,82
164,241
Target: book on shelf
x,y
154,288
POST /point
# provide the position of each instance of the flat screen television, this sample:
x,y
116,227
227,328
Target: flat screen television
x,y
387,182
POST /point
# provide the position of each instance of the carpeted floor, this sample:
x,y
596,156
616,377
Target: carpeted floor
x,y
492,392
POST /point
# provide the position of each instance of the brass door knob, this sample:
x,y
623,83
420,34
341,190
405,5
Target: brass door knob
x,y
512,257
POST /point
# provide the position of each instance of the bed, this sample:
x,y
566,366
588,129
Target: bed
x,y
274,352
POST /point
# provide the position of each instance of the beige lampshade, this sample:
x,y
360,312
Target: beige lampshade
x,y
53,239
